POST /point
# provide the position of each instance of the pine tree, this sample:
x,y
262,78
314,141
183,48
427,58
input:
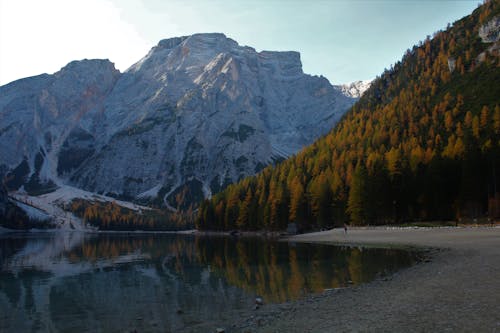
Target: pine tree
x,y
356,204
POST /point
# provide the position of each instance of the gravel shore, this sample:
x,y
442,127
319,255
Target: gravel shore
x,y
458,290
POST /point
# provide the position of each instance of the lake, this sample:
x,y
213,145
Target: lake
x,y
77,282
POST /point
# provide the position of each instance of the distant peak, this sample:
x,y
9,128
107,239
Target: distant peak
x,y
199,49
354,89
89,64
88,70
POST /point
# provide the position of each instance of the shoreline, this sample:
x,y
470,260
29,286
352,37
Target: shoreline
x,y
419,237
262,234
456,289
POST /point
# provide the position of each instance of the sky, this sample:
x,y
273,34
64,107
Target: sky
x,y
343,40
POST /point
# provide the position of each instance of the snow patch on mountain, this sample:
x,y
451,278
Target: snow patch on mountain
x,y
32,212
354,89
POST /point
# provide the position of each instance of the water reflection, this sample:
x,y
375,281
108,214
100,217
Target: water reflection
x,y
79,282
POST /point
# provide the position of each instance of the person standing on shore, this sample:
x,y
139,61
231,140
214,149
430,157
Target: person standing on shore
x,y
345,228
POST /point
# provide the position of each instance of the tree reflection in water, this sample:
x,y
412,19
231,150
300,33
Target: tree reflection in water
x,y
74,281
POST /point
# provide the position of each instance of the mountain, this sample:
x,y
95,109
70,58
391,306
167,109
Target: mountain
x,y
354,89
48,121
422,143
195,114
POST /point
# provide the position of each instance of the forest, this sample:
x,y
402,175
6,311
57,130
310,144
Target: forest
x,y
111,216
422,143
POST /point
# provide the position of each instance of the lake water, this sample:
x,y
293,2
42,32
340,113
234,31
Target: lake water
x,y
75,282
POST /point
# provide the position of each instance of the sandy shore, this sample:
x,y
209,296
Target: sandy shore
x,y
457,291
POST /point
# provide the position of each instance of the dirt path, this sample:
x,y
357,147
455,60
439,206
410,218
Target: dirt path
x,y
458,291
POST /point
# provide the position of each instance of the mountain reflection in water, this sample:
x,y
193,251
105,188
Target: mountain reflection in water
x,y
116,282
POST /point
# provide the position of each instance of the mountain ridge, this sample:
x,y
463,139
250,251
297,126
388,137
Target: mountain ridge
x,y
194,114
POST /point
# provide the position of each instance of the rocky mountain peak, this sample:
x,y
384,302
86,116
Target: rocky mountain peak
x,y
169,43
354,89
195,114
210,40
88,65
83,80
88,71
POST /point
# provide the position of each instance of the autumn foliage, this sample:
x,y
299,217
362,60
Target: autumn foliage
x,y
422,143
111,216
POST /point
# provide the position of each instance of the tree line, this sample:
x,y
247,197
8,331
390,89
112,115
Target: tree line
x,y
111,216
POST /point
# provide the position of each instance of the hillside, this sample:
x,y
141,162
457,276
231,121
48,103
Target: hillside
x,y
422,143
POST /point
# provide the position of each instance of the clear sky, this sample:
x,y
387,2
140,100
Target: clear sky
x,y
344,40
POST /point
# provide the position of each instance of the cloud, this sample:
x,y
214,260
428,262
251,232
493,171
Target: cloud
x,y
43,36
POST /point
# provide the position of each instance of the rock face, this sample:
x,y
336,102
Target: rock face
x,y
452,64
39,114
490,32
354,89
193,115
